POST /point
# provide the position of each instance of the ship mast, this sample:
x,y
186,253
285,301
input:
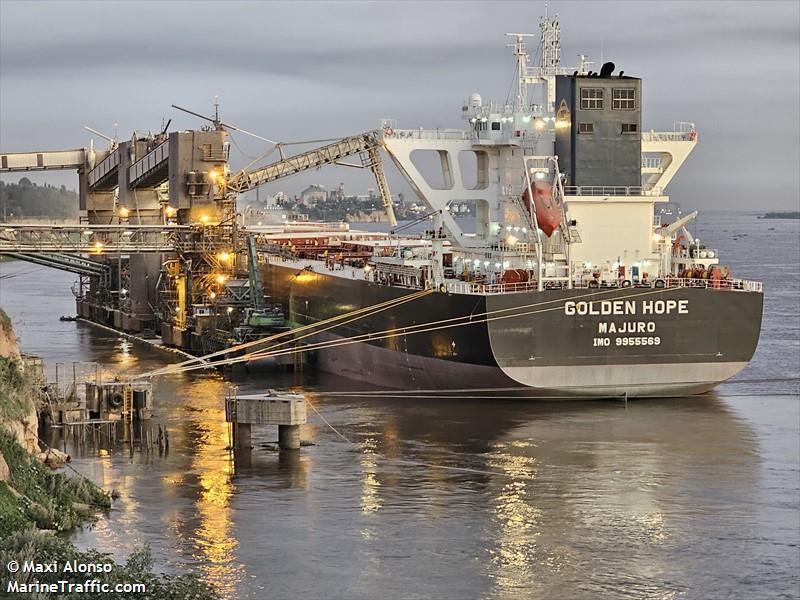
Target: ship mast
x,y
550,53
523,79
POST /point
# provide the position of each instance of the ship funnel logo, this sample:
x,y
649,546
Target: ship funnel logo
x,y
563,111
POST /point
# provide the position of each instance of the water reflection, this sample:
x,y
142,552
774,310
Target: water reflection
x,y
516,515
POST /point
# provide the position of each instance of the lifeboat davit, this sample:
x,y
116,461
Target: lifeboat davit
x,y
548,214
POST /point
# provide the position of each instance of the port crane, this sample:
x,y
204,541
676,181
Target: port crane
x,y
366,145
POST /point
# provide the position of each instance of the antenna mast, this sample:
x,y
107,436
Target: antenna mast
x,y
521,102
550,51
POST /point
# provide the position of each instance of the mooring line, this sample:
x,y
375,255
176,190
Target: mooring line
x,y
412,463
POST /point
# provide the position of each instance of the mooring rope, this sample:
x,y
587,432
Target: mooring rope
x,y
470,319
412,463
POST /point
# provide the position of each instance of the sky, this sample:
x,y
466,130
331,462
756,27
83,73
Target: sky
x,y
309,70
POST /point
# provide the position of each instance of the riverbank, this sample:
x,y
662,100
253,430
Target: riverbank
x,y
38,506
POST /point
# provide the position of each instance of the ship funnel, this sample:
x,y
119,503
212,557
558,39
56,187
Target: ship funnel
x,y
607,69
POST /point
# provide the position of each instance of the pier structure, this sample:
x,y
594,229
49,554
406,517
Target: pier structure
x,y
287,411
158,249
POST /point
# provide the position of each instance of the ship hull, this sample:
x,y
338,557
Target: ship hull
x,y
556,343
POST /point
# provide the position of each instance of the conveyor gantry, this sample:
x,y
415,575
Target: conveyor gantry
x,y
152,168
366,144
67,262
42,161
89,239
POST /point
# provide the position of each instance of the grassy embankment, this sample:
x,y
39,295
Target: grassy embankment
x,y
37,504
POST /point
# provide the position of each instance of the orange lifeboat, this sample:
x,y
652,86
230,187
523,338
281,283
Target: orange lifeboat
x,y
548,214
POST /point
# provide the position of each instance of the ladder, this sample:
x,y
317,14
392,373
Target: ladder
x,y
127,402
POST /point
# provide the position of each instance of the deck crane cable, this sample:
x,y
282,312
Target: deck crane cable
x,y
355,314
414,329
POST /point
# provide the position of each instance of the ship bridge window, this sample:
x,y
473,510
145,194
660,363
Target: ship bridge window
x,y
495,125
585,127
630,128
624,99
591,98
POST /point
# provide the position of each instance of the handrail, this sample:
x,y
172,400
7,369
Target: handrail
x,y
669,136
743,285
611,190
428,134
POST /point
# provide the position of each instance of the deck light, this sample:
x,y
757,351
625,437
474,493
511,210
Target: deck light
x,y
123,212
220,279
204,219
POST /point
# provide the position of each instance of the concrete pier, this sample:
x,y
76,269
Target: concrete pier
x,y
287,411
289,437
242,436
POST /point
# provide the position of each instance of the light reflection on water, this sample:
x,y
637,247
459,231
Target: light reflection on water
x,y
662,499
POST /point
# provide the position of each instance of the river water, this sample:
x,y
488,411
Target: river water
x,y
695,497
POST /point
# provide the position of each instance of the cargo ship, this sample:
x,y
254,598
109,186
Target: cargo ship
x,y
574,275
569,281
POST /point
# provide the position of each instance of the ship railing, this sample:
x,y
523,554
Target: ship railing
x,y
611,190
427,134
669,136
649,162
466,287
744,285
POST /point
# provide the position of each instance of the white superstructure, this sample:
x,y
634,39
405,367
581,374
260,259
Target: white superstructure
x,y
607,233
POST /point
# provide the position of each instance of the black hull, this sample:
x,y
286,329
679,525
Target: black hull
x,y
663,342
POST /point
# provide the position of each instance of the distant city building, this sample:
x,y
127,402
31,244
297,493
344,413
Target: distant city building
x,y
276,200
313,194
337,194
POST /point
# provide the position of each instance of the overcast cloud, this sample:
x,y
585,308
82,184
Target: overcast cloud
x,y
304,70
